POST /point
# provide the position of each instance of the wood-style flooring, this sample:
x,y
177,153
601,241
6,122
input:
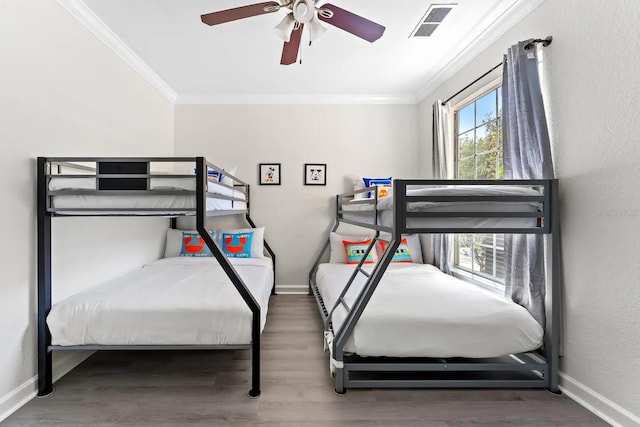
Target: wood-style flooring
x,y
203,388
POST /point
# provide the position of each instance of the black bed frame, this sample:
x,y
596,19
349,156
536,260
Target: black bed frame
x,y
536,369
46,212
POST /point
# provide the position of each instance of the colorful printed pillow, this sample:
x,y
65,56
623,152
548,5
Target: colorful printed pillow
x,y
175,241
216,175
370,182
193,245
403,254
237,245
337,254
356,250
384,191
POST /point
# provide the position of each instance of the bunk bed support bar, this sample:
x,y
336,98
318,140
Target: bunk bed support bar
x,y
45,373
267,247
553,296
201,203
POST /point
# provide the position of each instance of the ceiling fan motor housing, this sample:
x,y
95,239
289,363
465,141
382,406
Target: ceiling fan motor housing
x,y
304,10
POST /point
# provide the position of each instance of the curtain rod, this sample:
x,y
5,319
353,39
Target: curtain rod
x,y
545,42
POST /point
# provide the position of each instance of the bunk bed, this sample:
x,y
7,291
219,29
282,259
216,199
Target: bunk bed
x,y
406,325
230,307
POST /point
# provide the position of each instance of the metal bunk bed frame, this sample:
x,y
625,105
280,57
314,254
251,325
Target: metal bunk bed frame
x,y
46,211
540,366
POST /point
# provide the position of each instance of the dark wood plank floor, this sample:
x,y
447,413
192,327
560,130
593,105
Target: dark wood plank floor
x,y
210,389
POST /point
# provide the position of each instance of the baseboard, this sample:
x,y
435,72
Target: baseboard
x,y
292,289
604,408
15,399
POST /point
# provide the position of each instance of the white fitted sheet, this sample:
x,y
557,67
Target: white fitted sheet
x,y
172,203
418,311
364,212
172,301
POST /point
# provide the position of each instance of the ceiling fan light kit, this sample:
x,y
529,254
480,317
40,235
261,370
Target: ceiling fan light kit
x,y
302,12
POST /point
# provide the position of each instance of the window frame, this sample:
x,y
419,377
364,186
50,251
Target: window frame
x,y
491,282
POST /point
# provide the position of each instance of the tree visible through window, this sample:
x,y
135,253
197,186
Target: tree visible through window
x,y
479,156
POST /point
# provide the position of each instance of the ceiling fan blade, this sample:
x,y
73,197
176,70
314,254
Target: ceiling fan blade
x,y
352,23
229,15
290,49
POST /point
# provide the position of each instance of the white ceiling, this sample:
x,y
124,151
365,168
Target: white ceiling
x,y
240,61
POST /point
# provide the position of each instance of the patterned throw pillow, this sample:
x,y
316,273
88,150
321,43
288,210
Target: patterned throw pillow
x,y
356,250
194,246
370,182
384,191
403,254
237,245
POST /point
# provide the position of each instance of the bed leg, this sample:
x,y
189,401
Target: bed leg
x,y
340,390
45,374
255,357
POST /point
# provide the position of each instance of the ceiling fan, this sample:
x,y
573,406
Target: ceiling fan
x,y
301,13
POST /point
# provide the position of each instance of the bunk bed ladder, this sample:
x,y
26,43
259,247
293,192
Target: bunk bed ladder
x,y
354,314
241,287
358,269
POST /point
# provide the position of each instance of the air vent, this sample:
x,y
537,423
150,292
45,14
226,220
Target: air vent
x,y
432,19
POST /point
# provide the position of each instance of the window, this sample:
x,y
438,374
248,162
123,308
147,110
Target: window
x,y
478,137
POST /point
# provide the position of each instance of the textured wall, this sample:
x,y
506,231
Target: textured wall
x,y
593,89
63,93
378,140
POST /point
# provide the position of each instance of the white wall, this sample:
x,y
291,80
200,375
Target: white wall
x,y
374,140
591,71
63,93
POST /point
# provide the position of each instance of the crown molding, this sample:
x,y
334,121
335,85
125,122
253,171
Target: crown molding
x,y
503,23
93,23
193,99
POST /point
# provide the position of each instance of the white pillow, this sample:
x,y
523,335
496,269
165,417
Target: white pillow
x,y
338,254
225,179
174,241
415,248
358,184
257,241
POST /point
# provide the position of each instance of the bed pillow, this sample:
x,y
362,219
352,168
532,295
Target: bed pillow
x,y
403,253
216,175
338,254
413,244
354,251
225,179
185,243
384,191
370,182
242,243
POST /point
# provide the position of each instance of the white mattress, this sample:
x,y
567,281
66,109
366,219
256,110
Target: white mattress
x,y
172,301
364,212
418,311
172,203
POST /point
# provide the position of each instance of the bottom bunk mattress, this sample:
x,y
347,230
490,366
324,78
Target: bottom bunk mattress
x,y
172,301
418,311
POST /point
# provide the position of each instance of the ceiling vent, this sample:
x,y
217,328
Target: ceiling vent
x,y
432,19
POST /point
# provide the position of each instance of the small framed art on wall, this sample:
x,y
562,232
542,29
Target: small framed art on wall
x,y
269,173
315,174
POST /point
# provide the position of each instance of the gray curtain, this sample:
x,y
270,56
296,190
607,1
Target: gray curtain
x,y
442,244
527,155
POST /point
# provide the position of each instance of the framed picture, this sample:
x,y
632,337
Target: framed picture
x,y
269,173
315,174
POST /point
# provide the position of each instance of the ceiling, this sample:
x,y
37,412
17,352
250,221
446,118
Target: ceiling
x,y
240,61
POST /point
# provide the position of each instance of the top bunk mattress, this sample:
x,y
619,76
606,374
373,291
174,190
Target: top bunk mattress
x,y
366,212
418,311
172,301
157,204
